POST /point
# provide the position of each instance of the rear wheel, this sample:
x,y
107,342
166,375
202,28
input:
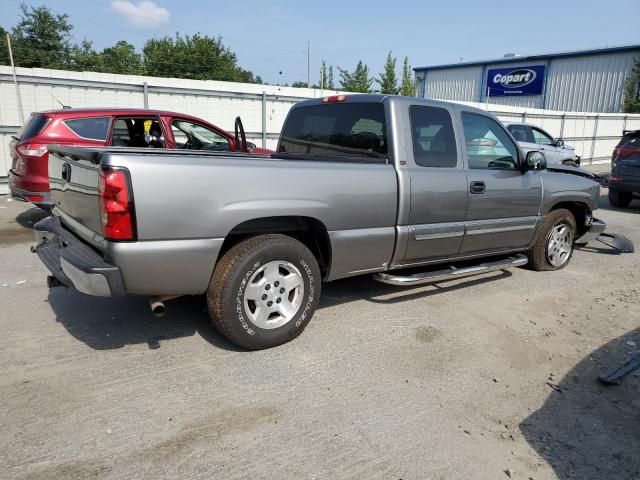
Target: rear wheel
x,y
553,247
620,199
264,291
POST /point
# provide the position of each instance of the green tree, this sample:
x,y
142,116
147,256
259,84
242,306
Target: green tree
x,y
408,86
356,81
632,89
299,84
4,49
41,38
197,57
121,58
84,57
388,80
330,84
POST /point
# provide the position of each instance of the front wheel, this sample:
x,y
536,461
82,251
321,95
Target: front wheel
x,y
553,246
264,291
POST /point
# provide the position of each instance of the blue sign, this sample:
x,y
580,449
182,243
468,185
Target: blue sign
x,y
502,82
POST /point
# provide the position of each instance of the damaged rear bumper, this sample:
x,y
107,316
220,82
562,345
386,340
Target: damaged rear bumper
x,y
74,263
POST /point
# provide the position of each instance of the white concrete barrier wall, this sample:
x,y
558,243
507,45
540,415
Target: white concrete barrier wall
x,y
593,135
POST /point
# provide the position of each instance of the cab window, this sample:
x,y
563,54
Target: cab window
x,y
488,145
434,143
193,136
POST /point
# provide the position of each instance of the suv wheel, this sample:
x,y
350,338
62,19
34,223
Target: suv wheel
x,y
553,248
620,199
264,291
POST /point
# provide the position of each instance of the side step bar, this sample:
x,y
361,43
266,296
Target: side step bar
x,y
451,272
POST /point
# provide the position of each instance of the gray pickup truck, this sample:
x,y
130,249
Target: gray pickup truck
x,y
409,190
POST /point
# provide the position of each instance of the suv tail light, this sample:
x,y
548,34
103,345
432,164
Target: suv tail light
x,y
32,149
116,205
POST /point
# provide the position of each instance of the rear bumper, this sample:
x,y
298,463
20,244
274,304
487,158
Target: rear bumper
x,y
74,263
625,184
22,192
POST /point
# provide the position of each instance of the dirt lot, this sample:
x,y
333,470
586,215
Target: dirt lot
x,y
485,378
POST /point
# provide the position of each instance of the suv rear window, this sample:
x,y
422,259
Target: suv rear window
x,y
340,130
33,127
633,136
94,128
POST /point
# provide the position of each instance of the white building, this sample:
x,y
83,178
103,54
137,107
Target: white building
x,y
580,81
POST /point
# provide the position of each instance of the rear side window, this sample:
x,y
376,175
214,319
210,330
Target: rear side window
x,y
95,128
336,130
434,143
33,127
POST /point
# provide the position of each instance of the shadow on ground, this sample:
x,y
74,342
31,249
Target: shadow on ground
x,y
111,323
587,429
21,230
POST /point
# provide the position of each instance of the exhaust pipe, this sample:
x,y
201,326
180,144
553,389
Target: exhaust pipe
x,y
157,308
157,305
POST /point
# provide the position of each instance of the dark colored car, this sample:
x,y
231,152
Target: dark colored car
x,y
625,170
142,128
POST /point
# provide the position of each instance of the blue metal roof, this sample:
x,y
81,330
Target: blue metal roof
x,y
527,58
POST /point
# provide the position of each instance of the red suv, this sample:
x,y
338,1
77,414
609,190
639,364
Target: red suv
x,y
29,176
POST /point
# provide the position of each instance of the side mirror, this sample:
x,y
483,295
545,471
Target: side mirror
x,y
559,142
535,160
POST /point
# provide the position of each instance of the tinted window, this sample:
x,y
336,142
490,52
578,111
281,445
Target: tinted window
x,y
522,133
337,130
93,128
488,145
33,127
434,143
542,138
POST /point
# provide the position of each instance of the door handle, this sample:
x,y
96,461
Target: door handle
x,y
477,187
66,172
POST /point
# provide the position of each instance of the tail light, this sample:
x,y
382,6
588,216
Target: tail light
x,y
32,149
25,152
627,152
334,99
116,205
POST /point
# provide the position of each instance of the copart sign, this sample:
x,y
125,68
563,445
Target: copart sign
x,y
515,81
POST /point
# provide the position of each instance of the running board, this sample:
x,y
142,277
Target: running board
x,y
451,273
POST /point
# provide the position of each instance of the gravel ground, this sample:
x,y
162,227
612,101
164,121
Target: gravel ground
x,y
488,377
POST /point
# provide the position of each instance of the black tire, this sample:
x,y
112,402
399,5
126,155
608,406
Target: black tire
x,y
570,163
227,296
538,255
620,199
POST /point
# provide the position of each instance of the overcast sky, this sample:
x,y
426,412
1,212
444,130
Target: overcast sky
x,y
270,36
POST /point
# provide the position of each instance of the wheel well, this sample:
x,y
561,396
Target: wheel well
x,y
309,231
580,212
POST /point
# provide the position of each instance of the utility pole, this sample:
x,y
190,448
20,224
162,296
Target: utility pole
x,y
15,81
308,64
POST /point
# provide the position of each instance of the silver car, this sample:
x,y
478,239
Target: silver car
x,y
555,150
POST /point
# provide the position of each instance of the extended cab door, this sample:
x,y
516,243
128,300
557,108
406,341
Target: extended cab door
x,y
438,185
504,203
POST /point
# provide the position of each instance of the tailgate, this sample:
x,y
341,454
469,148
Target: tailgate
x,y
73,176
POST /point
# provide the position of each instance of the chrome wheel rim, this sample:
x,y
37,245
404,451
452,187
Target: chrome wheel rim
x,y
274,294
559,245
